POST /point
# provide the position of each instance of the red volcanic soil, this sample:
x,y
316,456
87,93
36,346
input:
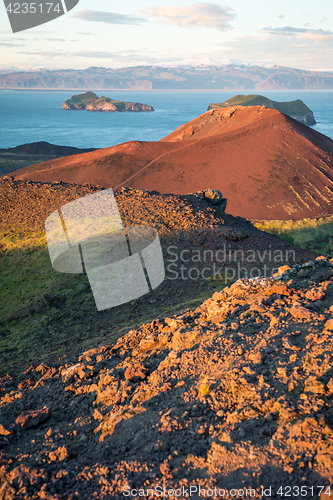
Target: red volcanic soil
x,y
232,397
218,121
266,164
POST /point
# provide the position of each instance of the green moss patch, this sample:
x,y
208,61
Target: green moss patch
x,y
311,234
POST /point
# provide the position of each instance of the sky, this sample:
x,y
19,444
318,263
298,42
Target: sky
x,y
115,34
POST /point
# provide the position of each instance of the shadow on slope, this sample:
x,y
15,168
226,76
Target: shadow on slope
x,y
46,315
12,159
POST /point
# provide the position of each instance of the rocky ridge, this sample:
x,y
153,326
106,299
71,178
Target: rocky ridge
x,y
235,394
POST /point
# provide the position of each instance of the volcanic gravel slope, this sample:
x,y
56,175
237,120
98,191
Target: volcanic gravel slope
x,y
267,165
235,394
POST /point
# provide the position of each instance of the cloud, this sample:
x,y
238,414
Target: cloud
x,y
301,33
6,44
124,57
317,35
47,54
107,17
99,54
16,39
285,30
129,57
205,15
266,49
32,31
55,39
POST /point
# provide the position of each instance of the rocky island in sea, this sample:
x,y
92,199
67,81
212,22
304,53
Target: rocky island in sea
x,y
91,102
295,109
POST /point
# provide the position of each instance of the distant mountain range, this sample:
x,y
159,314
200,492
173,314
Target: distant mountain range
x,y
230,76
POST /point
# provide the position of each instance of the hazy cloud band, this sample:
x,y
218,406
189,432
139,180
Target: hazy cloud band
x,y
206,15
107,17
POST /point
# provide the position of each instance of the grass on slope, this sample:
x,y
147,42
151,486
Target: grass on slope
x,y
46,316
31,294
23,261
9,162
81,99
288,108
311,234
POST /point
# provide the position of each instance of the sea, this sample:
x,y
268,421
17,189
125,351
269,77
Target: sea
x,y
36,115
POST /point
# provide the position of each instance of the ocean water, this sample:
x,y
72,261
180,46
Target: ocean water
x,y
35,115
